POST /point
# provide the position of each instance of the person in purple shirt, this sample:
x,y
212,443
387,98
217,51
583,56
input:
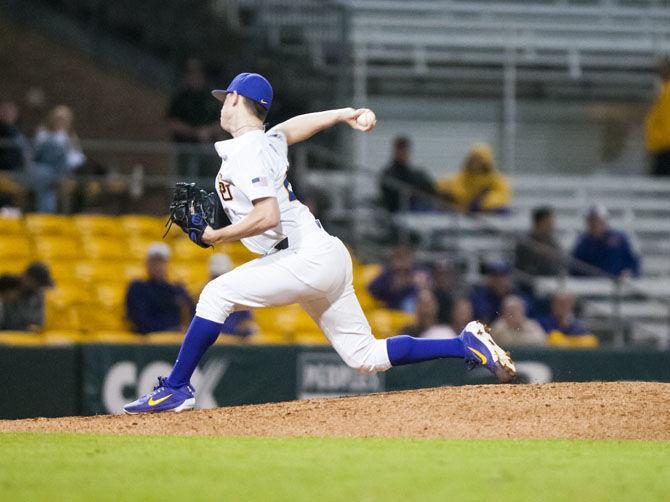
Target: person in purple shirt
x,y
155,304
395,285
562,317
604,248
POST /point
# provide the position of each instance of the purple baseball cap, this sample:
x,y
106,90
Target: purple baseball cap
x,y
250,85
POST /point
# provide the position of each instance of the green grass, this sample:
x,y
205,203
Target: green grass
x,y
105,467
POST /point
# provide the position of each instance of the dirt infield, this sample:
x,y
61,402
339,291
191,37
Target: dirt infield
x,y
613,410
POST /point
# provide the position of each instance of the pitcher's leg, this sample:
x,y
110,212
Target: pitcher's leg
x,y
343,322
257,283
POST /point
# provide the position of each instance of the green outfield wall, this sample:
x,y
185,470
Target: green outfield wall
x,y
94,379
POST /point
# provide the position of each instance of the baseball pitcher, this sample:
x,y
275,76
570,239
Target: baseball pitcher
x,y
300,261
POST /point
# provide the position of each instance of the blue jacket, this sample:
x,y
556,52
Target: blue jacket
x,y
155,306
611,253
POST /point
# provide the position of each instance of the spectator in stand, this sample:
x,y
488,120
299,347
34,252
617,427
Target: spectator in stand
x,y
603,248
513,327
539,253
487,298
23,299
401,171
57,155
240,323
658,124
9,290
194,120
478,187
14,156
156,304
395,286
426,324
561,325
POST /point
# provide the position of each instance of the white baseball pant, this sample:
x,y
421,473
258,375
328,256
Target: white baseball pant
x,y
317,274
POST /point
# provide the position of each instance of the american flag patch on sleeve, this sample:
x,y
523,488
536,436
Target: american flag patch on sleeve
x,y
261,181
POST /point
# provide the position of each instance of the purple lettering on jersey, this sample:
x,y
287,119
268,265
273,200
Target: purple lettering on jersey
x,y
261,181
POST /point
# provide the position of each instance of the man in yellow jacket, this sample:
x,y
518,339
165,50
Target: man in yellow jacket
x,y
658,124
478,186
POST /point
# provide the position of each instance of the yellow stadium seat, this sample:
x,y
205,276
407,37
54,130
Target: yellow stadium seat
x,y
386,322
67,293
13,266
11,226
97,225
22,338
134,270
15,247
122,337
56,247
288,319
266,318
266,337
192,275
64,271
39,224
165,338
237,253
310,338
184,250
105,248
100,271
558,339
62,337
95,318
147,227
61,317
110,295
137,247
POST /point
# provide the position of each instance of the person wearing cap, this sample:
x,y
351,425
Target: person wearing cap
x,y
23,305
478,187
603,248
155,304
240,323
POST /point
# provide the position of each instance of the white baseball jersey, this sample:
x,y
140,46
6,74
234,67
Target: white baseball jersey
x,y
254,166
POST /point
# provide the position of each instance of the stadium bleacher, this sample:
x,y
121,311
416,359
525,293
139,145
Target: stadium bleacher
x,y
93,257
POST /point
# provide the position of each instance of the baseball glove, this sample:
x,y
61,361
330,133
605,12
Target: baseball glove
x,y
192,209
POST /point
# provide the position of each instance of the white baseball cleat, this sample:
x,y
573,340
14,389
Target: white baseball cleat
x,y
481,350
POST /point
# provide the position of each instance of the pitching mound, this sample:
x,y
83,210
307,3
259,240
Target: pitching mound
x,y
612,410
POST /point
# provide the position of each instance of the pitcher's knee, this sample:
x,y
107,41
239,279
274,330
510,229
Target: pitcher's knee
x,y
212,304
370,356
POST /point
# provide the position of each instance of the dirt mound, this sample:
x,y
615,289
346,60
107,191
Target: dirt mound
x,y
616,410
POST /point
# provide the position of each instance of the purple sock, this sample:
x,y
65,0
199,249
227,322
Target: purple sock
x,y
200,335
407,349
